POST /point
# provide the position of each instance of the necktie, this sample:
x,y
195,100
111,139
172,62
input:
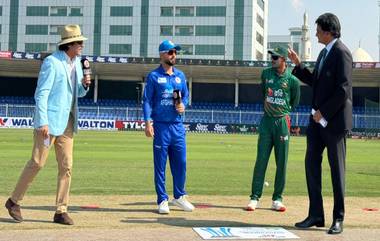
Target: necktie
x,y
324,53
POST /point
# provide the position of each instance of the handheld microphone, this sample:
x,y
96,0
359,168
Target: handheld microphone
x,y
177,98
86,67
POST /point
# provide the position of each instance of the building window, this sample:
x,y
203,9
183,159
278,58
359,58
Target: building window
x,y
210,30
259,55
273,45
166,30
58,11
296,33
166,11
259,38
55,29
76,11
205,49
36,29
260,20
35,47
52,47
121,11
187,49
0,28
120,29
37,11
120,48
296,47
184,30
184,11
214,11
1,10
261,4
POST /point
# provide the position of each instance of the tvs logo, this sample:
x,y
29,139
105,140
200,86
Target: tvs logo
x,y
3,121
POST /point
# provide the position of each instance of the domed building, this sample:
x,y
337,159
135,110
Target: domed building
x,y
360,55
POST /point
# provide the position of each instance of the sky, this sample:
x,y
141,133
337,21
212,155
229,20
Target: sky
x,y
359,21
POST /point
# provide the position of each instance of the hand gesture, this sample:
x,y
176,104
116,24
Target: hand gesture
x,y
293,56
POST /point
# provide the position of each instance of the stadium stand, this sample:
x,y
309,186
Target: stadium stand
x,y
206,112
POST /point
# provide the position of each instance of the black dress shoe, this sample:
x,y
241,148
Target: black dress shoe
x,y
311,221
336,227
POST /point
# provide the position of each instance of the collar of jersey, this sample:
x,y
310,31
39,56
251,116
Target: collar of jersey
x,y
162,71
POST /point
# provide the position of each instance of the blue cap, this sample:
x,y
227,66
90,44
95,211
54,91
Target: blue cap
x,y
167,45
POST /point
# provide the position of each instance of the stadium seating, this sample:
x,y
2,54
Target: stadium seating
x,y
206,112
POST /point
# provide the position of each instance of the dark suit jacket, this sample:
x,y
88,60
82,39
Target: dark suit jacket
x,y
332,89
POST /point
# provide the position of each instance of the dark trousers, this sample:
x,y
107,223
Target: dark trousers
x,y
319,138
274,132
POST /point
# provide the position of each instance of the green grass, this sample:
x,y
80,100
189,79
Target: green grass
x,y
218,164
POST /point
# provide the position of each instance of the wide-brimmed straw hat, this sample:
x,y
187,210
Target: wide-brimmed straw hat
x,y
71,33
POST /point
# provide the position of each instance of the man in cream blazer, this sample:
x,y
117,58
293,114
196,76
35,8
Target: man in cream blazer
x,y
60,83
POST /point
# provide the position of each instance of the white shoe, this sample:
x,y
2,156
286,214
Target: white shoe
x,y
252,205
183,204
163,207
278,206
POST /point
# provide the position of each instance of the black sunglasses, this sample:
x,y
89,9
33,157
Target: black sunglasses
x,y
171,52
275,57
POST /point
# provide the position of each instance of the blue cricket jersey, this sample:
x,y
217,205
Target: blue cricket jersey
x,y
158,95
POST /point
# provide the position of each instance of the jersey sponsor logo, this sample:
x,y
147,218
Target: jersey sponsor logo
x,y
166,102
270,92
178,80
167,97
161,80
167,93
273,100
278,93
269,81
284,138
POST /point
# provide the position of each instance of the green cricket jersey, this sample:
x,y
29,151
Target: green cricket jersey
x,y
281,92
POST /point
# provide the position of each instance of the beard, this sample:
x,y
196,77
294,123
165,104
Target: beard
x,y
169,62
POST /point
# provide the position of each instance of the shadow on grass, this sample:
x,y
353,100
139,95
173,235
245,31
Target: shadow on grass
x,y
11,220
189,223
77,209
197,205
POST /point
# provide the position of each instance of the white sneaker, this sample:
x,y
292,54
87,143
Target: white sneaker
x,y
252,205
183,204
278,206
163,207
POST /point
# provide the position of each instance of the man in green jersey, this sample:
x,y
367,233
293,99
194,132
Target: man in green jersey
x,y
281,92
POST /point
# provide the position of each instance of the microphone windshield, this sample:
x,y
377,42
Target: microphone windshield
x,y
86,66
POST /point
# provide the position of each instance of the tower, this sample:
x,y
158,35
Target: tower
x,y
305,40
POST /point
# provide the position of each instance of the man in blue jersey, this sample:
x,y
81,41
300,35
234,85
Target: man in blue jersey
x,y
165,97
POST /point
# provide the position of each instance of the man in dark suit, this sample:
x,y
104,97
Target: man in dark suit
x,y
330,121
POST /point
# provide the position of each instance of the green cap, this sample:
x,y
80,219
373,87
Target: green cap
x,y
279,51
